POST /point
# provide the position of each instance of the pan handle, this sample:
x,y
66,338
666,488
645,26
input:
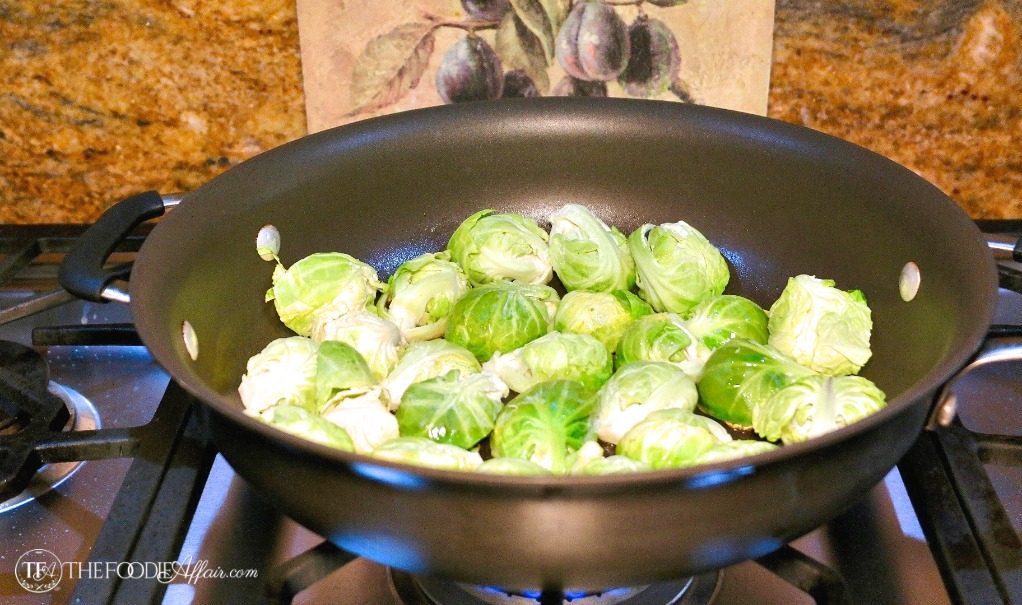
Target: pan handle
x,y
996,349
1001,242
83,272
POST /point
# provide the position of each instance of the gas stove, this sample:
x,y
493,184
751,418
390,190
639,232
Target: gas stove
x,y
154,515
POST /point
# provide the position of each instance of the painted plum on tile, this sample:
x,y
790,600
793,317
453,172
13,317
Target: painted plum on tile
x,y
518,48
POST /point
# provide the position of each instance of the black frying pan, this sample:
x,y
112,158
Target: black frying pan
x,y
778,199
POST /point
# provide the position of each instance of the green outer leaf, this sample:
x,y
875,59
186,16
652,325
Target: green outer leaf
x,y
534,16
545,424
816,405
423,452
453,408
720,319
587,254
390,66
339,367
614,465
303,423
676,267
519,48
741,375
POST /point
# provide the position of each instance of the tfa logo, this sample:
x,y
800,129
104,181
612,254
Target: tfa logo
x,y
38,570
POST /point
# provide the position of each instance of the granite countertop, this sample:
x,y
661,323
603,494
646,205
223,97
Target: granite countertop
x,y
104,98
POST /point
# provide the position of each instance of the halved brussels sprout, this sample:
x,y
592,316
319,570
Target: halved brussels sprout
x,y
671,438
426,452
729,450
339,367
495,247
378,341
283,373
425,360
816,405
363,414
603,315
555,356
636,390
454,408
662,337
512,466
303,423
546,424
676,267
587,254
327,284
821,327
720,319
613,465
742,374
499,317
421,293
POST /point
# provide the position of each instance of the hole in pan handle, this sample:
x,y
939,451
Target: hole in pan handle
x,y
83,272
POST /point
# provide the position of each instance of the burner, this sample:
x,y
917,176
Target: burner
x,y
419,590
83,417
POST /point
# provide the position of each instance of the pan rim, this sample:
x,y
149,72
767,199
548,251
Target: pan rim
x,y
703,475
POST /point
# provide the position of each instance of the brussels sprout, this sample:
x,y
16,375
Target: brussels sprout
x,y
741,375
613,465
546,424
671,438
600,314
425,360
555,356
339,367
512,466
676,267
816,405
420,294
636,390
499,317
587,254
378,341
662,337
326,284
421,451
303,423
729,450
363,414
283,373
821,327
454,408
719,319
494,247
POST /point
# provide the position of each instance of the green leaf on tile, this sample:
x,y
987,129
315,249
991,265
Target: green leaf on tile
x,y
534,16
519,48
390,66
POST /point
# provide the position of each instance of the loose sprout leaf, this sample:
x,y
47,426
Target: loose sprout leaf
x,y
339,367
390,66
364,416
303,423
326,284
424,452
663,337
